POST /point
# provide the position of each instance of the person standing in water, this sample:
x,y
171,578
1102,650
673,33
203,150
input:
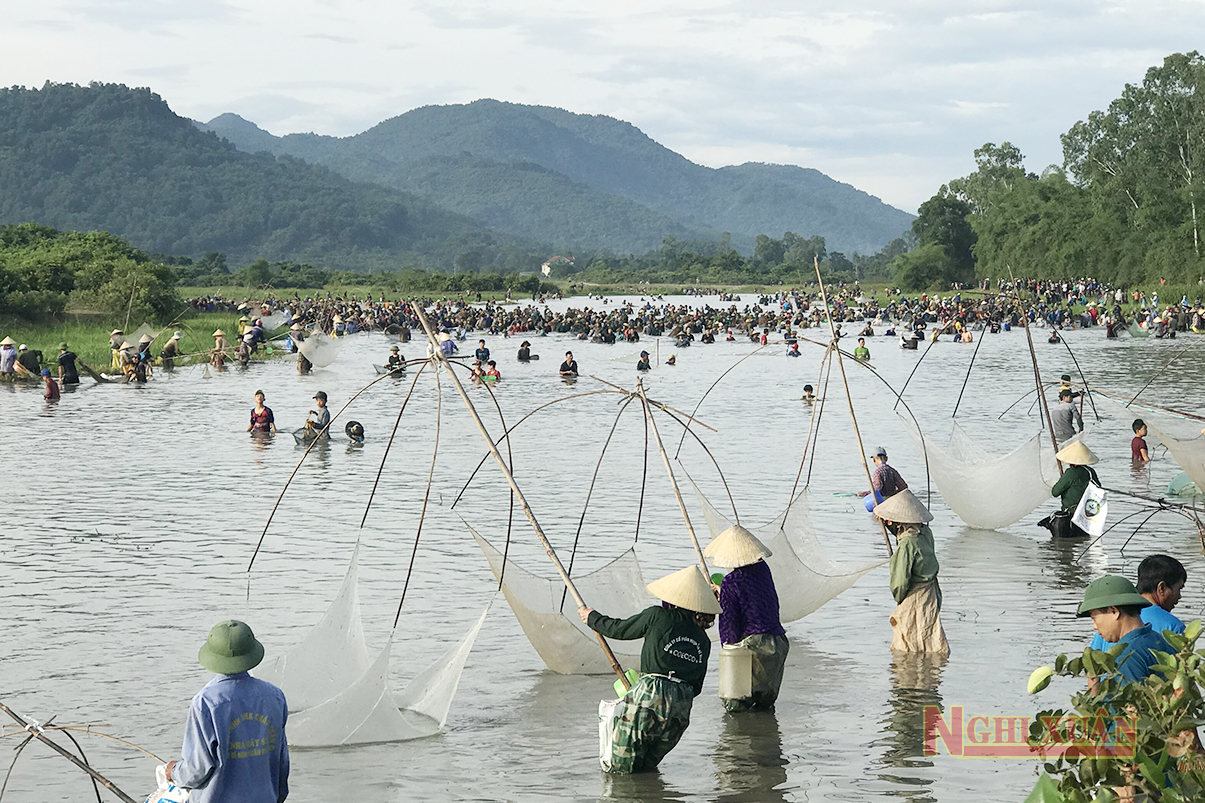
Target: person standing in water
x,y
234,749
916,620
525,351
322,416
750,617
171,350
262,420
68,373
1161,580
643,364
1074,482
886,480
569,366
861,353
1065,418
1138,451
52,387
673,664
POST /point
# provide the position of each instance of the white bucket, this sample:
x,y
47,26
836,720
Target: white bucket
x,y
736,672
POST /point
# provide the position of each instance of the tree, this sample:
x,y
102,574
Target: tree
x,y
922,268
1146,154
1000,171
767,250
943,220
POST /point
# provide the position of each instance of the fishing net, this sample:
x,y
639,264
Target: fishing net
x,y
338,696
985,490
274,321
805,577
332,656
367,712
565,644
1188,452
319,349
1137,331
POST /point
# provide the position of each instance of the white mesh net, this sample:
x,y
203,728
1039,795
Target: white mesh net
x,y
367,711
565,644
332,656
805,577
1188,452
986,491
337,696
319,349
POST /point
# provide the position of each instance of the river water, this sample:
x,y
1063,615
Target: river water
x,y
131,515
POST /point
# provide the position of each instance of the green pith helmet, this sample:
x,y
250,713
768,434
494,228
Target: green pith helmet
x,y
231,648
1108,591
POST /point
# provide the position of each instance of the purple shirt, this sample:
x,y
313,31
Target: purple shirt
x,y
750,603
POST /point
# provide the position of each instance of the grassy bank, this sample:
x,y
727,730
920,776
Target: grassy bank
x,y
88,336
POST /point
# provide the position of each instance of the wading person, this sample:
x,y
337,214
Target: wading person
x,y
321,417
170,351
643,363
569,366
116,337
52,387
1138,451
396,362
262,420
1116,610
886,480
1072,485
68,373
218,356
525,351
234,748
673,663
1065,418
916,621
750,616
1161,580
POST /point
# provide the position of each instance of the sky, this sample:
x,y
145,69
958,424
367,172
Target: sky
x,y
889,96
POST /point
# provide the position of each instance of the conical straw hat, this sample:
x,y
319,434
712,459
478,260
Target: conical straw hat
x,y
126,345
903,508
687,589
8,341
1077,454
735,547
218,333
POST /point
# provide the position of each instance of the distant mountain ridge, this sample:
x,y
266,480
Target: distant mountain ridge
x,y
604,182
109,157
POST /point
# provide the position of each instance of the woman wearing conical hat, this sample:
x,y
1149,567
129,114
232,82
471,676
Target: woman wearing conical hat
x,y
916,621
217,357
1075,479
673,663
750,616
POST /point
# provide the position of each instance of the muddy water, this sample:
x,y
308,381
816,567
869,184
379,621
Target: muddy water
x,y
131,515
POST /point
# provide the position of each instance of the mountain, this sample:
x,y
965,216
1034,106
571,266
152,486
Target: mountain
x,y
109,157
480,160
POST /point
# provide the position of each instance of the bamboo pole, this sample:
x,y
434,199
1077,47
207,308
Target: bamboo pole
x,y
694,539
849,399
967,378
1037,375
421,314
36,732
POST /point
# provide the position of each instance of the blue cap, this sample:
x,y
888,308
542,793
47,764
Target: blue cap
x,y
45,372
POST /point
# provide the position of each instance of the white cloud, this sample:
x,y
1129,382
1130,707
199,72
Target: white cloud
x,y
887,96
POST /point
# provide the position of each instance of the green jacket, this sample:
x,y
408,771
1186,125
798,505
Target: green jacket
x,y
1072,484
913,562
673,643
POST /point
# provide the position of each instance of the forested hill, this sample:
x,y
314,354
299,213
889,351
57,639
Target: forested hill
x,y
593,181
109,157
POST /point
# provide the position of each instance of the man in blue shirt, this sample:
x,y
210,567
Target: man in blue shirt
x,y
234,742
1115,606
1161,580
482,353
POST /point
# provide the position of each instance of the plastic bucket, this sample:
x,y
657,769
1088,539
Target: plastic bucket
x,y
736,672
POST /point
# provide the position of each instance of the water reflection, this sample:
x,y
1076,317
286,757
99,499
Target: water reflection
x,y
915,680
1071,571
643,787
750,765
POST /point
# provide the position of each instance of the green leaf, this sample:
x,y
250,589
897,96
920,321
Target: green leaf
x,y
1045,791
